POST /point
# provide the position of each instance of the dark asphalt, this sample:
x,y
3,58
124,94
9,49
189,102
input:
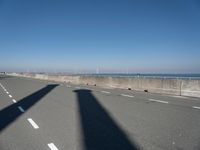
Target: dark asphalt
x,y
80,117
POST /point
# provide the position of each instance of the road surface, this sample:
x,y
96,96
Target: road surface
x,y
42,115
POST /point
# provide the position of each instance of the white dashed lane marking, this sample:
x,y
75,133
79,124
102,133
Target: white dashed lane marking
x,y
10,96
7,92
159,101
127,95
35,126
21,109
178,97
196,107
14,101
77,87
105,92
52,146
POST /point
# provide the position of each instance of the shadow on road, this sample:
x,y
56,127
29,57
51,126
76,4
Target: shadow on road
x,y
9,114
100,131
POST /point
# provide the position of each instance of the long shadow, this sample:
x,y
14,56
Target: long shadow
x,y
100,131
9,114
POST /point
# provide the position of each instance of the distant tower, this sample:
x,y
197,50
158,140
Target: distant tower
x,y
97,70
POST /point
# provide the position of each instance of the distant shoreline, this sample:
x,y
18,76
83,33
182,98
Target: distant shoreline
x,y
168,76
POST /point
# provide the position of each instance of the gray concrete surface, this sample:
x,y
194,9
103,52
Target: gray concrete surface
x,y
80,117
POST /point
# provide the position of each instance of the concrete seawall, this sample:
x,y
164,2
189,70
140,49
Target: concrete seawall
x,y
152,85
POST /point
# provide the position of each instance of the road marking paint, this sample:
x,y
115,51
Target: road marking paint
x,y
33,123
77,87
196,107
14,101
68,86
10,96
7,92
154,100
105,92
52,146
21,109
178,96
127,95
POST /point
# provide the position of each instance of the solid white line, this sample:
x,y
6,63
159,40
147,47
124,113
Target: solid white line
x,y
10,96
105,92
21,109
154,100
127,95
196,107
33,123
14,101
52,146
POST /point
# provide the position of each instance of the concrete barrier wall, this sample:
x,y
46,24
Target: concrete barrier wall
x,y
152,85
168,86
190,88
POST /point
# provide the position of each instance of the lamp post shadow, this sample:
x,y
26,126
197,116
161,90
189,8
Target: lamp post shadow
x,y
100,131
11,113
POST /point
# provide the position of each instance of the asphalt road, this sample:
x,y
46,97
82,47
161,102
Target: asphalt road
x,y
42,115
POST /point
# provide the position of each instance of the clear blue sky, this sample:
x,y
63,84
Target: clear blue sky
x,y
146,36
